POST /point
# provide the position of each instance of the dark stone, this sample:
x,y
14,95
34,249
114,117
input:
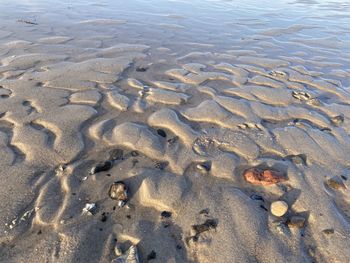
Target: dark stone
x,y
161,165
104,217
165,214
205,166
141,69
101,167
152,255
161,133
128,216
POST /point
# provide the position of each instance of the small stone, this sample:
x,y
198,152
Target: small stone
x,y
296,221
101,167
336,183
90,208
161,165
263,177
141,69
337,120
118,191
165,214
205,166
161,133
152,255
61,168
279,208
104,217
300,95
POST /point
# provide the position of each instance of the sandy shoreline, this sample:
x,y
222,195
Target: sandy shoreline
x,y
194,140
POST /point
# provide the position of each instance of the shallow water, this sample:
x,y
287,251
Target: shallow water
x,y
202,90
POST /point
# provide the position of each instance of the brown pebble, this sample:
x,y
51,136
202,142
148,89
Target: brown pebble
x,y
336,182
263,177
118,191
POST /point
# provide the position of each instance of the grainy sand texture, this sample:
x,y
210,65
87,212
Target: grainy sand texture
x,y
174,131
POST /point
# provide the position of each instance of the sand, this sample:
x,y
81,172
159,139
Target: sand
x,y
177,100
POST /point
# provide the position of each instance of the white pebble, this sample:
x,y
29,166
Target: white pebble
x,y
279,208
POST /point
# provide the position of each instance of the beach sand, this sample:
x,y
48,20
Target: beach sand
x,y
206,113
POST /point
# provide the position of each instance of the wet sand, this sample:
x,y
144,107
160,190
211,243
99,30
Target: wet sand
x,y
207,112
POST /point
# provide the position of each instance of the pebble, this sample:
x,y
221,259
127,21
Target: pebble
x,y
205,166
336,183
337,120
263,177
300,95
279,208
165,214
61,168
296,221
118,191
101,167
89,208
